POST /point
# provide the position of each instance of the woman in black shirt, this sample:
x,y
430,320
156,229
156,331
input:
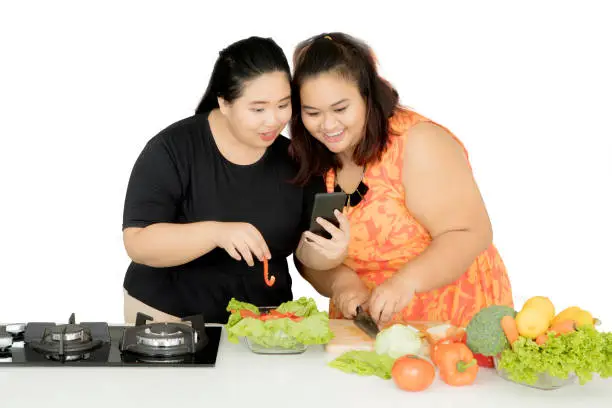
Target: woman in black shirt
x,y
211,196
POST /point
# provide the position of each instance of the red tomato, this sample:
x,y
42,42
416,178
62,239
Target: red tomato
x,y
412,373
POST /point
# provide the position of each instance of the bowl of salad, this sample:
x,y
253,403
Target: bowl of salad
x,y
540,380
560,361
285,329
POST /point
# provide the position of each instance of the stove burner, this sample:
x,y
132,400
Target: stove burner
x,y
66,342
15,329
6,340
70,357
163,342
69,332
161,335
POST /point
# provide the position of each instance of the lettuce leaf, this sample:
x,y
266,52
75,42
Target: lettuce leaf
x,y
364,363
584,352
301,307
235,305
283,332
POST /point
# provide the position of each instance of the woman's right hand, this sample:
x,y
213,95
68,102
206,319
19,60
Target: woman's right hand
x,y
349,294
242,240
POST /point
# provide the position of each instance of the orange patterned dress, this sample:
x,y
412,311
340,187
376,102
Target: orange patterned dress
x,y
385,236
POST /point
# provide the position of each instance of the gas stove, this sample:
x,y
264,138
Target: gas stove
x,y
189,343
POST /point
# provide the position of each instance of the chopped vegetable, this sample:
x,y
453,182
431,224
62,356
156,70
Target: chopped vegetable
x,y
457,364
364,363
411,373
269,281
583,352
398,340
292,323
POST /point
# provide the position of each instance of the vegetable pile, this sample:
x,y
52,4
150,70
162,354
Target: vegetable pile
x,y
396,356
582,352
292,323
537,342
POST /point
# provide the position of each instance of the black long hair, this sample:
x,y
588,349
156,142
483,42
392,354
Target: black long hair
x,y
242,61
354,60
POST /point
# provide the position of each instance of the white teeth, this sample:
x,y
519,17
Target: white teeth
x,y
334,134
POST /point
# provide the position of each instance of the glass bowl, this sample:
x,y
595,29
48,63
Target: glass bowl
x,y
270,347
544,382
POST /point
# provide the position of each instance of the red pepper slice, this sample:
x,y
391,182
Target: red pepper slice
x,y
247,313
269,280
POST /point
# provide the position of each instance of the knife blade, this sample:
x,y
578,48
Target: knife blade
x,y
365,322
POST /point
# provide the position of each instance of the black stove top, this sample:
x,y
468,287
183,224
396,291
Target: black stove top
x,y
186,344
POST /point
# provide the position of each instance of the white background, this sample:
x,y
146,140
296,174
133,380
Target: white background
x,y
84,85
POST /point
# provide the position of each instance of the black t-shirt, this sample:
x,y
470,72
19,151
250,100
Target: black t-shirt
x,y
182,177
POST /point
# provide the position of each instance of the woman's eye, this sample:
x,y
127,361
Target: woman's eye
x,y
340,109
285,106
312,113
258,110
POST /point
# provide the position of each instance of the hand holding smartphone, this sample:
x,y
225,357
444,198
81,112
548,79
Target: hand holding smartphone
x,y
324,206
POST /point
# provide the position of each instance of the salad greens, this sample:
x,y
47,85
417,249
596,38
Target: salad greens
x,y
582,352
292,323
364,363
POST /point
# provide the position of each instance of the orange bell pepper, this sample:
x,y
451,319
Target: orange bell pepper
x,y
456,363
434,346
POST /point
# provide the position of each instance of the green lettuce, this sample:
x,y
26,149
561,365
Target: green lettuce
x,y
301,307
364,363
313,328
583,352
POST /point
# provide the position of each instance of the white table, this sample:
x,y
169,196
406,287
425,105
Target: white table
x,y
242,378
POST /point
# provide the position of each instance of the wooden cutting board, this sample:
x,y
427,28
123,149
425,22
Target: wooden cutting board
x,y
348,337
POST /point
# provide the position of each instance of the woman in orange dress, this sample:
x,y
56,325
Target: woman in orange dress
x,y
420,236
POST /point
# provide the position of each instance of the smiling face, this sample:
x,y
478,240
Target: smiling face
x,y
333,111
262,111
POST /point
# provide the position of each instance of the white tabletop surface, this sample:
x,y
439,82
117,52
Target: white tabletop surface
x,y
242,378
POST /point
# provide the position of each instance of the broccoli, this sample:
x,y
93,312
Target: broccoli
x,y
484,332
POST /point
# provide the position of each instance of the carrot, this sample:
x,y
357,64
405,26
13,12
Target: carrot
x,y
541,339
269,280
563,327
508,324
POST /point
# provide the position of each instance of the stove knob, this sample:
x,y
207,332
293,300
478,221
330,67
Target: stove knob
x,y
15,328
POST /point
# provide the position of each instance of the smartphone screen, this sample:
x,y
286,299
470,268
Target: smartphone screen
x,y
324,206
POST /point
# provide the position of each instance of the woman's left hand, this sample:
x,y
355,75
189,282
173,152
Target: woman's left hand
x,y
390,297
335,248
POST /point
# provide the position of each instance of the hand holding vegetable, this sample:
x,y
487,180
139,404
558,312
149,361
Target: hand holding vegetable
x,y
349,293
390,297
241,241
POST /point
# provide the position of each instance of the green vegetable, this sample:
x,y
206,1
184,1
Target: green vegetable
x,y
237,306
300,307
484,332
364,363
313,328
584,352
398,340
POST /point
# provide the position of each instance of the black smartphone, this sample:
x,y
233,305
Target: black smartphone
x,y
324,206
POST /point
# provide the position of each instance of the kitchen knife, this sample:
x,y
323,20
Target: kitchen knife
x,y
365,322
